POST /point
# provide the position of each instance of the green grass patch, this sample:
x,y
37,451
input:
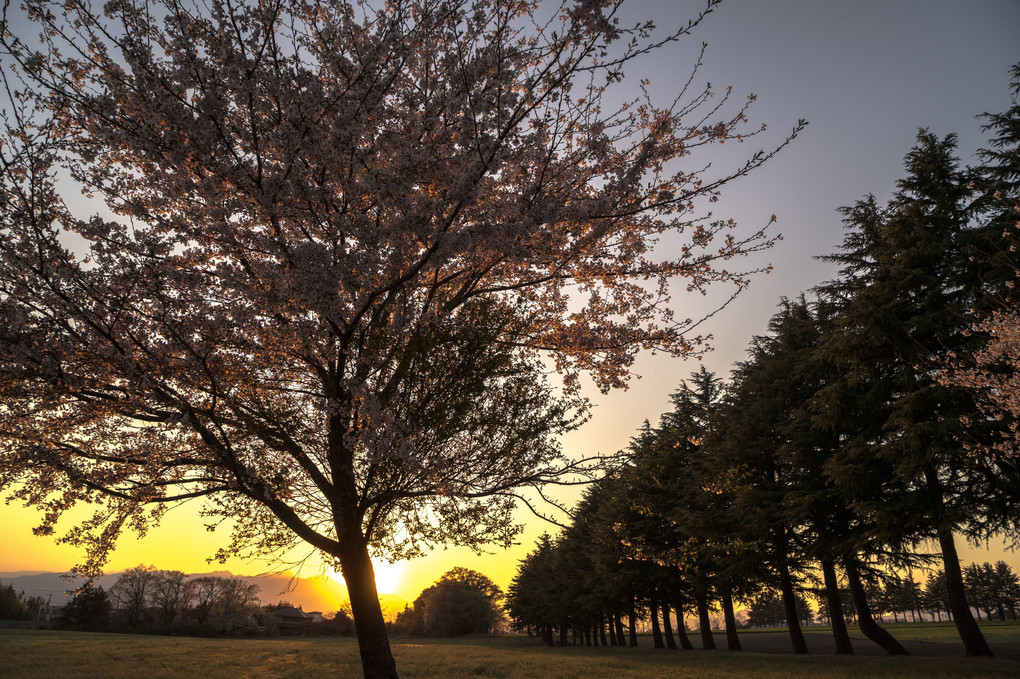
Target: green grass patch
x,y
945,632
32,654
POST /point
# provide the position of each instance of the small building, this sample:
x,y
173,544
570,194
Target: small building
x,y
293,620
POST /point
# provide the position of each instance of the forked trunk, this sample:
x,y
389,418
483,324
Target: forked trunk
x,y
376,657
865,621
836,617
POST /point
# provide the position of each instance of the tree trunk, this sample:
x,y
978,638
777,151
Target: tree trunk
x,y
973,640
836,617
865,621
790,606
667,625
681,628
602,628
732,640
376,657
612,630
619,630
707,640
563,634
632,623
653,610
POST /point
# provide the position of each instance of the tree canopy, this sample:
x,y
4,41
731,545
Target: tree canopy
x,y
339,244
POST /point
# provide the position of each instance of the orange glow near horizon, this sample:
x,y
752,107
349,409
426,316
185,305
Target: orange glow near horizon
x,y
182,543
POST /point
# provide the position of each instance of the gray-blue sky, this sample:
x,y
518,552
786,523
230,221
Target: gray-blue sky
x,y
866,75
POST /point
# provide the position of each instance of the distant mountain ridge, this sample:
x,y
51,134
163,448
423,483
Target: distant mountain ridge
x,y
316,593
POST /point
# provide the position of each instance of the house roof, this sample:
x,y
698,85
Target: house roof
x,y
290,613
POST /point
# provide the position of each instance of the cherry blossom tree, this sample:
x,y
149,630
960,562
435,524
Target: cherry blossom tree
x,y
339,248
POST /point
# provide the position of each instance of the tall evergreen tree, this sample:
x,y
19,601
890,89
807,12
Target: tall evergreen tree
x,y
904,305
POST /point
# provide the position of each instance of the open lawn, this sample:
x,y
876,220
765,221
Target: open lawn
x,y
33,654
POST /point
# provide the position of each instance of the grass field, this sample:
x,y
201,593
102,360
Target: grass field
x,y
33,654
940,632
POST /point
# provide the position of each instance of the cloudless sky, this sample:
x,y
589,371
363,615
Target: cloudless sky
x,y
866,75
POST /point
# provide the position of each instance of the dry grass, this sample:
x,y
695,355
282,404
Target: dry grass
x,y
62,655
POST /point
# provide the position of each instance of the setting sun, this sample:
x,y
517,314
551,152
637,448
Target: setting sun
x,y
387,575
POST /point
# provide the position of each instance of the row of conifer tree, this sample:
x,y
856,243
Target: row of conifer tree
x,y
867,432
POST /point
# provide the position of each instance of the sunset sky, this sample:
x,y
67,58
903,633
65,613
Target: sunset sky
x,y
865,74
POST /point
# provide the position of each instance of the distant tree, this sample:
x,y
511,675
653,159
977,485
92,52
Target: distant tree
x,y
89,608
11,604
766,608
1007,589
235,604
461,602
132,593
903,595
980,582
203,602
993,588
15,605
171,593
340,622
935,597
222,603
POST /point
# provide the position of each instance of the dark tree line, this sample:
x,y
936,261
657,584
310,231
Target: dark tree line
x,y
15,605
840,446
151,600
